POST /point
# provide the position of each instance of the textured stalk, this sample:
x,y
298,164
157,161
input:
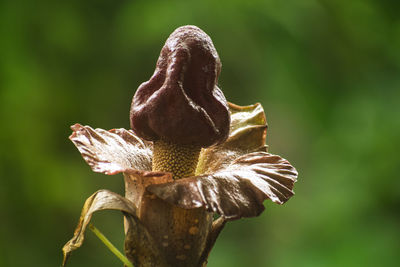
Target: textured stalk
x,y
180,160
180,234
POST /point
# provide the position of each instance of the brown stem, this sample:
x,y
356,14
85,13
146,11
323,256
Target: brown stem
x,y
179,235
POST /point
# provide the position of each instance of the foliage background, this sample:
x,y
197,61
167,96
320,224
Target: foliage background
x,y
326,72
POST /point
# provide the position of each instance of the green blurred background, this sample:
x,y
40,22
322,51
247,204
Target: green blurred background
x,y
326,72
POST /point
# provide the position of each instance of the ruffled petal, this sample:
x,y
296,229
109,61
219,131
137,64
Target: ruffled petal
x,y
248,131
237,190
112,152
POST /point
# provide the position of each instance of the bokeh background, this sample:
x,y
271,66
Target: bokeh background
x,y
326,72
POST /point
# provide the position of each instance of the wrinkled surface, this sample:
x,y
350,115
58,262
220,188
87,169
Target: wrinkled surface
x,y
248,131
111,152
181,103
101,200
237,190
234,177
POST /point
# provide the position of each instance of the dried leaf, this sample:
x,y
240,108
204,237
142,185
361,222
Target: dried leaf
x,y
248,131
113,151
101,200
237,190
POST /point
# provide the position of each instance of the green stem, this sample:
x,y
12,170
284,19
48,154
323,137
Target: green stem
x,y
110,246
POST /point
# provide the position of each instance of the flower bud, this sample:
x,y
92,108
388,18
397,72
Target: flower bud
x,y
181,103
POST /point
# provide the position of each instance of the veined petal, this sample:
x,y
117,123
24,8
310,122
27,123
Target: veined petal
x,y
248,131
237,190
113,151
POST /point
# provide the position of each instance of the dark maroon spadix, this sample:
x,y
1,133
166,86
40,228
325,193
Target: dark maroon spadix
x,y
181,103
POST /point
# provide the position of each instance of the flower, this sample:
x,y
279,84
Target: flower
x,y
169,212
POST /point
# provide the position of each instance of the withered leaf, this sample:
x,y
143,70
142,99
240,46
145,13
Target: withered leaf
x,y
113,151
248,130
237,190
101,200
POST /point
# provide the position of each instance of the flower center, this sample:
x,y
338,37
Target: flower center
x,y
180,160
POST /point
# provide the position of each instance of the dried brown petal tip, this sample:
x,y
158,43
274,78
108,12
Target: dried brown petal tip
x,y
181,103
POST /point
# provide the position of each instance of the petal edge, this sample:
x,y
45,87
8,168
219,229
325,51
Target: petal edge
x,y
237,190
111,152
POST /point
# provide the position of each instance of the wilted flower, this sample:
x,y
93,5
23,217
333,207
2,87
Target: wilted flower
x,y
190,155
